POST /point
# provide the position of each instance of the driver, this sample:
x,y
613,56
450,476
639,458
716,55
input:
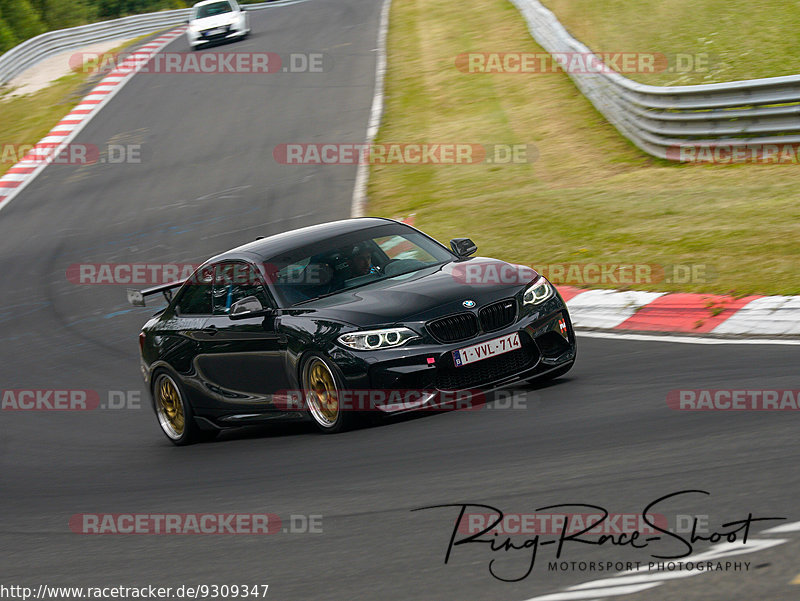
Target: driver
x,y
362,261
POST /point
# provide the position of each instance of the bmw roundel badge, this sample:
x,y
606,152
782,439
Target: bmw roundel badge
x,y
469,304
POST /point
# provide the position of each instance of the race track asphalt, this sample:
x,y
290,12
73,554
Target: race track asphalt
x,y
602,435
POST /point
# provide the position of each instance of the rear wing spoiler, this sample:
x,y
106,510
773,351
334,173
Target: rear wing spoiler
x,y
137,297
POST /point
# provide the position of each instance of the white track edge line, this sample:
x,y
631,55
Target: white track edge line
x,y
359,202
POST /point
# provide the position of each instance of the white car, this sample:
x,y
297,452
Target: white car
x,y
217,21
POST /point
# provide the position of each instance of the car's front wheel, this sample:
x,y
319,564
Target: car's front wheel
x,y
322,391
174,413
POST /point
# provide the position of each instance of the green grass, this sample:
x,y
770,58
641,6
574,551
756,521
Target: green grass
x,y
27,119
590,196
744,40
24,120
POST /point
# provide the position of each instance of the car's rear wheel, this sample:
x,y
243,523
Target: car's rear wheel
x,y
321,389
175,415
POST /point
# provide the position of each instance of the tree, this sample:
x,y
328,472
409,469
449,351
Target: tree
x,y
58,14
120,8
21,18
7,38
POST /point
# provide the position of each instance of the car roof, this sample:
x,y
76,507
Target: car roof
x,y
271,246
204,2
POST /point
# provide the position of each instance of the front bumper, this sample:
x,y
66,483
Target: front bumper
x,y
200,38
547,343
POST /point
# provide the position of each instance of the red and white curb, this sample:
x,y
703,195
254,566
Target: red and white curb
x,y
707,314
49,147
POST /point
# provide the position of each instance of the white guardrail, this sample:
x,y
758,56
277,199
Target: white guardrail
x,y
29,53
677,122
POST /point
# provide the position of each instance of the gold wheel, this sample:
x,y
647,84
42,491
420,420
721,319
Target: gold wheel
x,y
322,395
169,407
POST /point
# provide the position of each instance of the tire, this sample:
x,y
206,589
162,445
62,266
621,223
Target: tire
x,y
174,413
321,385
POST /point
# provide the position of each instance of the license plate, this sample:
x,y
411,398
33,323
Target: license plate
x,y
215,31
484,350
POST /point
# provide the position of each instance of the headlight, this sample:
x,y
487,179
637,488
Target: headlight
x,y
377,339
538,292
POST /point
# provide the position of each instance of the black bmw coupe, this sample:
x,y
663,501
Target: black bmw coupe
x,y
329,321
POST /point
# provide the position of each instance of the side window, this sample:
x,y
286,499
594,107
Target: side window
x,y
292,274
195,298
235,281
400,247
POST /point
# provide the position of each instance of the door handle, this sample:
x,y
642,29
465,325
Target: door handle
x,y
210,330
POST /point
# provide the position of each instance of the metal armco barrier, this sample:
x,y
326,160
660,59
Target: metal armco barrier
x,y
663,120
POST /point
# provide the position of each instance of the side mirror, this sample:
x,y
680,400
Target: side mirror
x,y
463,247
249,306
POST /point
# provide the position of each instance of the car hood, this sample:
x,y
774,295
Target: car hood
x,y
213,21
425,294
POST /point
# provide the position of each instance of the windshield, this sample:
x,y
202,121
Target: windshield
x,y
209,10
351,261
